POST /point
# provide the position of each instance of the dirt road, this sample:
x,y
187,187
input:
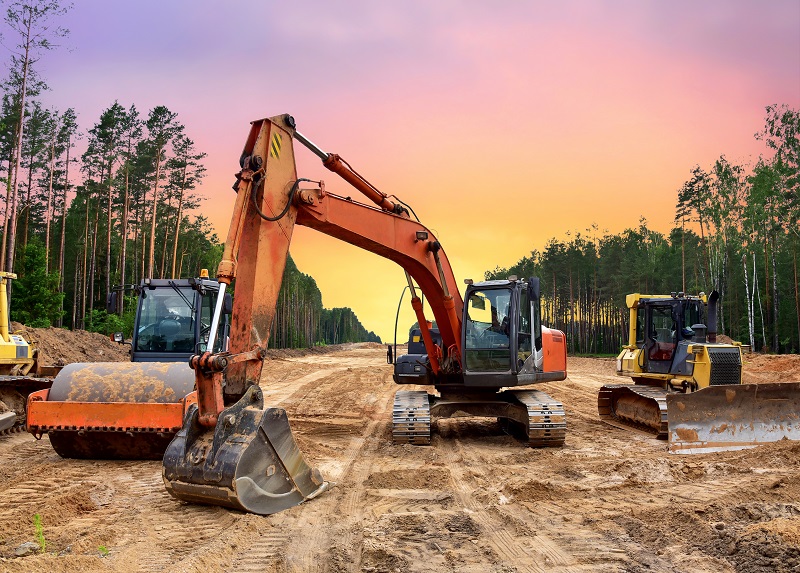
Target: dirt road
x,y
475,501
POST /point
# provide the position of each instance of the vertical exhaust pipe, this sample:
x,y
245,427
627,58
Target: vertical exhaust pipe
x,y
713,300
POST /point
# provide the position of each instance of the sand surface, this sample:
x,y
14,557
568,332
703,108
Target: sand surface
x,y
475,501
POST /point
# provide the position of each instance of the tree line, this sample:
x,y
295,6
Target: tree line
x,y
736,230
85,210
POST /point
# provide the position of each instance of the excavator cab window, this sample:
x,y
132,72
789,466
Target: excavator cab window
x,y
487,346
524,328
206,314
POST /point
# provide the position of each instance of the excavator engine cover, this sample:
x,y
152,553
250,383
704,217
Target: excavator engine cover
x,y
249,461
720,418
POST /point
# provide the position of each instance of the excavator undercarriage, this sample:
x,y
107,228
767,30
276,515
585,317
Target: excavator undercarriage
x,y
531,413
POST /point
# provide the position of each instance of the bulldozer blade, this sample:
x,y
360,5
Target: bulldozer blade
x,y
249,461
734,417
7,421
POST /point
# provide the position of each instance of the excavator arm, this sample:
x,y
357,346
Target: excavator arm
x,y
231,451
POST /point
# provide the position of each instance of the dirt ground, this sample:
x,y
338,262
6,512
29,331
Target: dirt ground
x,y
475,501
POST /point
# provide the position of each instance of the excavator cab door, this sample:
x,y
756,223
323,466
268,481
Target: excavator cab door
x,y
488,316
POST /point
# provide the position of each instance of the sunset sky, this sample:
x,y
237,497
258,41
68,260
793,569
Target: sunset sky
x,y
502,124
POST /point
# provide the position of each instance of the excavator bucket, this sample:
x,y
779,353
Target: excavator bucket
x,y
249,461
735,417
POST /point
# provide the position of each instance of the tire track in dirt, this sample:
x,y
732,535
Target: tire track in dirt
x,y
336,423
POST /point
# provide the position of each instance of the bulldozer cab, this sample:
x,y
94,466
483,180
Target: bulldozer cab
x,y
664,327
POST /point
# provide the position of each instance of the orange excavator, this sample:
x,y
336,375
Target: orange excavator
x,y
234,452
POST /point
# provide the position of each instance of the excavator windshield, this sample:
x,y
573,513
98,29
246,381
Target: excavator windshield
x,y
487,347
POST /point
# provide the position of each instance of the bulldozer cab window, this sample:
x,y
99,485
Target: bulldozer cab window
x,y
663,333
640,325
487,345
693,314
166,321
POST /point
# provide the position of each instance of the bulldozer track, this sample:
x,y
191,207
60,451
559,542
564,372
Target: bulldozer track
x,y
654,396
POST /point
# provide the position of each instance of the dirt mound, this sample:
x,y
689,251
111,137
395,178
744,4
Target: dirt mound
x,y
59,346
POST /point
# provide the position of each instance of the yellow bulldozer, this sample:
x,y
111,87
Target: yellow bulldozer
x,y
20,373
688,385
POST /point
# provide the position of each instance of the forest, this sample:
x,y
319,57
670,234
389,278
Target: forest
x,y
84,210
736,230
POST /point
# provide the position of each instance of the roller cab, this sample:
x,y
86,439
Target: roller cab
x,y
116,410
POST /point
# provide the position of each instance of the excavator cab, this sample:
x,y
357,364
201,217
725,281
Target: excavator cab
x,y
173,320
503,336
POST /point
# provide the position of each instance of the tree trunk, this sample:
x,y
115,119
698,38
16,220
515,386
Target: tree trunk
x,y
775,302
63,239
151,256
124,246
20,129
109,222
49,206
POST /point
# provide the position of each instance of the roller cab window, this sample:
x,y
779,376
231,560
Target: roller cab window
x,y
166,322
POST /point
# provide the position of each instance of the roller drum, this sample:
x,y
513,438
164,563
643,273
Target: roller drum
x,y
107,387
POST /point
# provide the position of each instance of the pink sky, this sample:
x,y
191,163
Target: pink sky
x,y
502,125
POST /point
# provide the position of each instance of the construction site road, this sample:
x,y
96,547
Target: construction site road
x,y
475,501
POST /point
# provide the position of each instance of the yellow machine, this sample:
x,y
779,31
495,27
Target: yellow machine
x,y
687,386
17,359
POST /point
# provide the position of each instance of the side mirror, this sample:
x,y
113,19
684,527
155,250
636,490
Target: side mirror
x,y
118,338
111,302
227,304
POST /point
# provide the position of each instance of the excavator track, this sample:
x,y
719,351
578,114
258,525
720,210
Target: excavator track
x,y
540,417
411,418
641,408
547,421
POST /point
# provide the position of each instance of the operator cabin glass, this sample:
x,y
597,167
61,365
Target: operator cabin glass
x,y
663,333
487,345
167,321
